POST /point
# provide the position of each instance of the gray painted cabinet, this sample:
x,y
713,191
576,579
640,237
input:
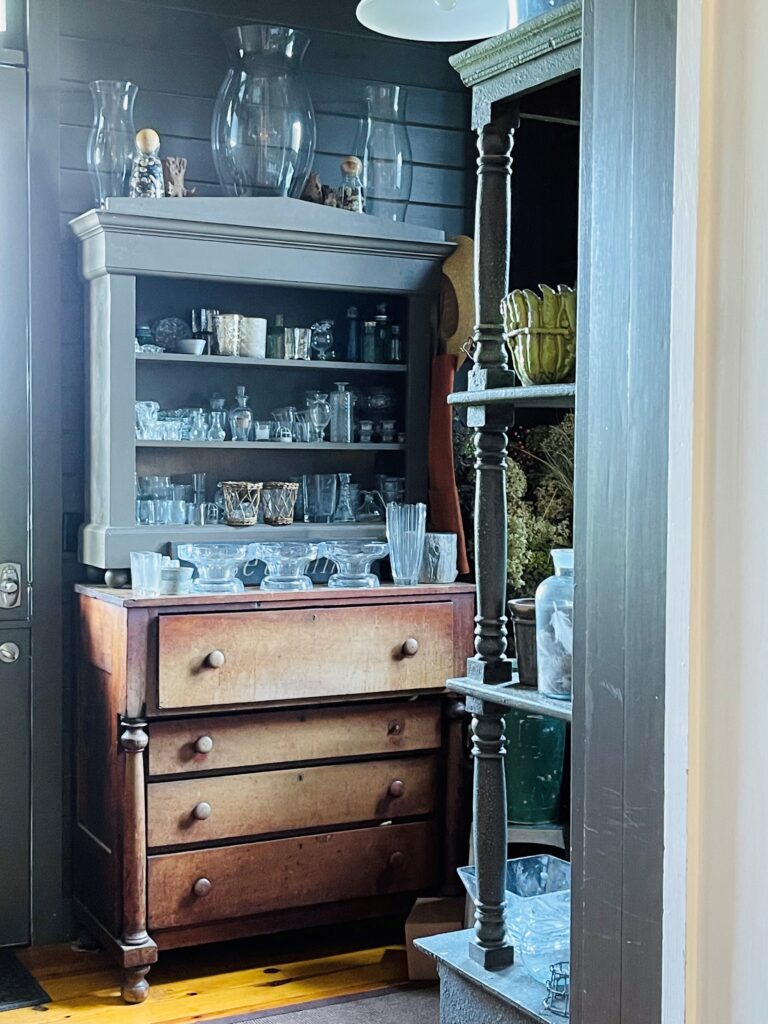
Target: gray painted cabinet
x,y
283,251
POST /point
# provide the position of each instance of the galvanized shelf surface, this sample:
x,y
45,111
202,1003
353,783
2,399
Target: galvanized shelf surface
x,y
312,446
513,695
274,364
537,835
544,396
509,991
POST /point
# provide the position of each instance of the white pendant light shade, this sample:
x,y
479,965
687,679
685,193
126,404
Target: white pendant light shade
x,y
438,20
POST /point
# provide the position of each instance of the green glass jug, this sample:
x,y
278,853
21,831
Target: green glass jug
x,y
534,767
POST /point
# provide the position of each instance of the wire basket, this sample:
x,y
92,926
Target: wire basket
x,y
558,999
241,501
278,501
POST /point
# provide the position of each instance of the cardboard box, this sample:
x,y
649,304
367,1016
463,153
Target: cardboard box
x,y
433,916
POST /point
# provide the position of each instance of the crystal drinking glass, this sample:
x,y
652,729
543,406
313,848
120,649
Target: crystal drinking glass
x,y
406,527
353,559
286,563
217,566
146,420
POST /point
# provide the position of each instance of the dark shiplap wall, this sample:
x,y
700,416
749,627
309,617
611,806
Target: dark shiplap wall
x,y
172,49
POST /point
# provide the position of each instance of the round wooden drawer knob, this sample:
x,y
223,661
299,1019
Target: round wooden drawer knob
x,y
204,744
215,659
202,887
202,811
396,859
396,788
410,648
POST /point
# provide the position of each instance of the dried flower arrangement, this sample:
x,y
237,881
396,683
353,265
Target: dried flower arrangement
x,y
539,497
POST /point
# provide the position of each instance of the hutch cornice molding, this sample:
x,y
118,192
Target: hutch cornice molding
x,y
537,53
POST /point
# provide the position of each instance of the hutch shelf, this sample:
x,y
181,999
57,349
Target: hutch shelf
x,y
143,260
525,90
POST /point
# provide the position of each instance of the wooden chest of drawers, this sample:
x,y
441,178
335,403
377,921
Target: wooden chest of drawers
x,y
263,761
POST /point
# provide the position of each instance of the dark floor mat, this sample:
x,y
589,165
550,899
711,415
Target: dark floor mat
x,y
414,1005
17,986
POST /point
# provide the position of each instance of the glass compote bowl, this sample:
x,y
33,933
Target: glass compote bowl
x,y
353,560
286,563
217,566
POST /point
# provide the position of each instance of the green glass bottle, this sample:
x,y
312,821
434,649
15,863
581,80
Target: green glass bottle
x,y
276,338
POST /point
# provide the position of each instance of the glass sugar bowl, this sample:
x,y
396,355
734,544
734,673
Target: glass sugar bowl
x,y
554,628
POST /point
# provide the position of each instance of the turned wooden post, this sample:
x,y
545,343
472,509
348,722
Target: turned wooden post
x,y
133,743
490,663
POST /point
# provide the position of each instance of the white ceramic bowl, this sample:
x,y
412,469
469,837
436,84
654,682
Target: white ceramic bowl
x,y
191,346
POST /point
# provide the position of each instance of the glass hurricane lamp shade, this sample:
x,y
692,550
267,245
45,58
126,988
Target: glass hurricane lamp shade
x,y
448,20
111,143
384,147
263,128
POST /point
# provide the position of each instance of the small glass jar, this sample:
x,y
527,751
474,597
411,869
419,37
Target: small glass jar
x,y
350,195
554,628
366,431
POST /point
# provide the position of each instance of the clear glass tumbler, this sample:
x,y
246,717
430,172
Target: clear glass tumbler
x,y
319,497
145,573
406,527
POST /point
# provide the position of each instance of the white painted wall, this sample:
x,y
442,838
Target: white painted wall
x,y
717,678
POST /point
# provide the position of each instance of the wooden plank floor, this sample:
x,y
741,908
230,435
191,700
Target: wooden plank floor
x,y
211,982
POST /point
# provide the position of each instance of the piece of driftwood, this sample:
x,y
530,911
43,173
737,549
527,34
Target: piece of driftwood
x,y
316,192
174,170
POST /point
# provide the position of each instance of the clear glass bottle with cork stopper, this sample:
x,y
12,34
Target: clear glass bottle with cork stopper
x,y
147,174
350,194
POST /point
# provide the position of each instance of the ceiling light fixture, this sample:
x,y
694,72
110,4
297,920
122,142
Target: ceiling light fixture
x,y
438,20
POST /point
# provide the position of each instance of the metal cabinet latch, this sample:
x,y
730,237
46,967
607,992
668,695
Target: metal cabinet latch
x,y
10,585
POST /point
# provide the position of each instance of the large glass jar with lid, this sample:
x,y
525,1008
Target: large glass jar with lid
x,y
554,628
263,129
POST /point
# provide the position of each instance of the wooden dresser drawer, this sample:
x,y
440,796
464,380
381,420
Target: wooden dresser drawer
x,y
252,657
253,878
294,799
309,734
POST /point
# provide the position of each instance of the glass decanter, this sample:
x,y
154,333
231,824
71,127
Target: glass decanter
x,y
353,559
286,563
217,418
240,416
341,414
198,429
344,512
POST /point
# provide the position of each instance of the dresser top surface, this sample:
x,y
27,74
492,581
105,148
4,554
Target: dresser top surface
x,y
253,596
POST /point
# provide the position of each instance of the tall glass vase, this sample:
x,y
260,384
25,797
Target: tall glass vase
x,y
263,129
385,149
112,140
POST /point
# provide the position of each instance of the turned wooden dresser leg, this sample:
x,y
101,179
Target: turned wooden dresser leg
x,y
133,743
135,987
